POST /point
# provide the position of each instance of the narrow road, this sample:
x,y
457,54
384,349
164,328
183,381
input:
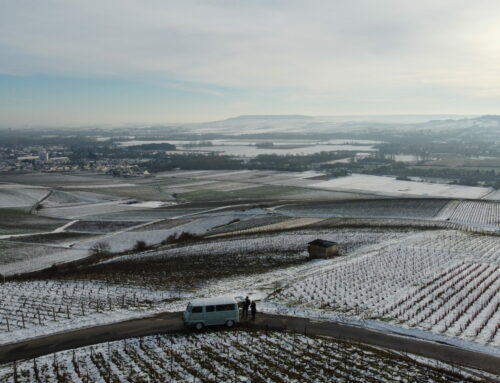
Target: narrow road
x,y
162,323
433,350
172,322
34,208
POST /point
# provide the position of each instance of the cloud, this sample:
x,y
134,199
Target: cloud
x,y
325,48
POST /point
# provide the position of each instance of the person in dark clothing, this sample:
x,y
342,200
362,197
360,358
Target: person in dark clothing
x,y
253,309
246,305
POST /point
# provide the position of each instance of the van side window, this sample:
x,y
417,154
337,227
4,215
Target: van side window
x,y
228,307
197,309
209,309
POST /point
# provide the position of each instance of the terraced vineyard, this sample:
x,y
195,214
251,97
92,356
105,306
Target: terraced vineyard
x,y
445,282
194,264
25,305
236,356
462,300
284,244
475,212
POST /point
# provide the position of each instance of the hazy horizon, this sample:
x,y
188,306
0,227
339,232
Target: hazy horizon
x,y
366,118
153,62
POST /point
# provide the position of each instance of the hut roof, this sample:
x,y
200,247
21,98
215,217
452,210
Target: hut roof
x,y
323,243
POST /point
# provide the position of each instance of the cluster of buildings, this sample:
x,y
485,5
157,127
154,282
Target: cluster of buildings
x,y
34,158
57,159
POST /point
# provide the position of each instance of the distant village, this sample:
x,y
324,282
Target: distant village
x,y
58,159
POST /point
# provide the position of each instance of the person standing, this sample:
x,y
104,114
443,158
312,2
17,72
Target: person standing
x,y
253,309
246,305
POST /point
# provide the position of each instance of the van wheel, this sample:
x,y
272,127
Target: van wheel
x,y
230,323
198,326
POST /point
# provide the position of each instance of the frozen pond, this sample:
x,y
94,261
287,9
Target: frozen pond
x,y
253,151
248,148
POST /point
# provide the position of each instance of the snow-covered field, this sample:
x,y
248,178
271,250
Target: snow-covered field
x,y
252,223
123,241
446,282
285,244
236,356
282,225
392,187
440,282
377,208
482,213
36,261
100,227
79,211
65,198
463,300
15,251
30,308
20,197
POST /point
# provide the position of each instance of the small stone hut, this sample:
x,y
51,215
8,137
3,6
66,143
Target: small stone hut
x,y
320,248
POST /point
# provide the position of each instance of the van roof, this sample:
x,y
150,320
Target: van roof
x,y
212,301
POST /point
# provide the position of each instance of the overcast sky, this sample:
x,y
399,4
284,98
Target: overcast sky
x,y
117,61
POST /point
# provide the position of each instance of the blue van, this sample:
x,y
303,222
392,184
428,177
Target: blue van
x,y
212,311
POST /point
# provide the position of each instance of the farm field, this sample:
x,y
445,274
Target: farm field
x,y
60,179
58,239
256,356
264,192
193,265
391,187
482,213
288,224
218,185
123,241
16,251
203,185
18,221
461,301
82,211
30,306
412,282
416,264
37,260
494,195
59,198
100,227
384,208
144,215
181,272
248,224
20,197
142,191
165,224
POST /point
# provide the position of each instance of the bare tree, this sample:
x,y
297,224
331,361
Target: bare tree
x,y
100,249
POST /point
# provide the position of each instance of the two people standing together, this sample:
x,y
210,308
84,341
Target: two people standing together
x,y
247,304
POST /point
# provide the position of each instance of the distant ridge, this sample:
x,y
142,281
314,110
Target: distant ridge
x,y
271,117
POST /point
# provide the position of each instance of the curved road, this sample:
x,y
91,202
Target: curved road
x,y
172,322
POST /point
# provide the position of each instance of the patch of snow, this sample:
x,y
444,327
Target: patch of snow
x,y
392,187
